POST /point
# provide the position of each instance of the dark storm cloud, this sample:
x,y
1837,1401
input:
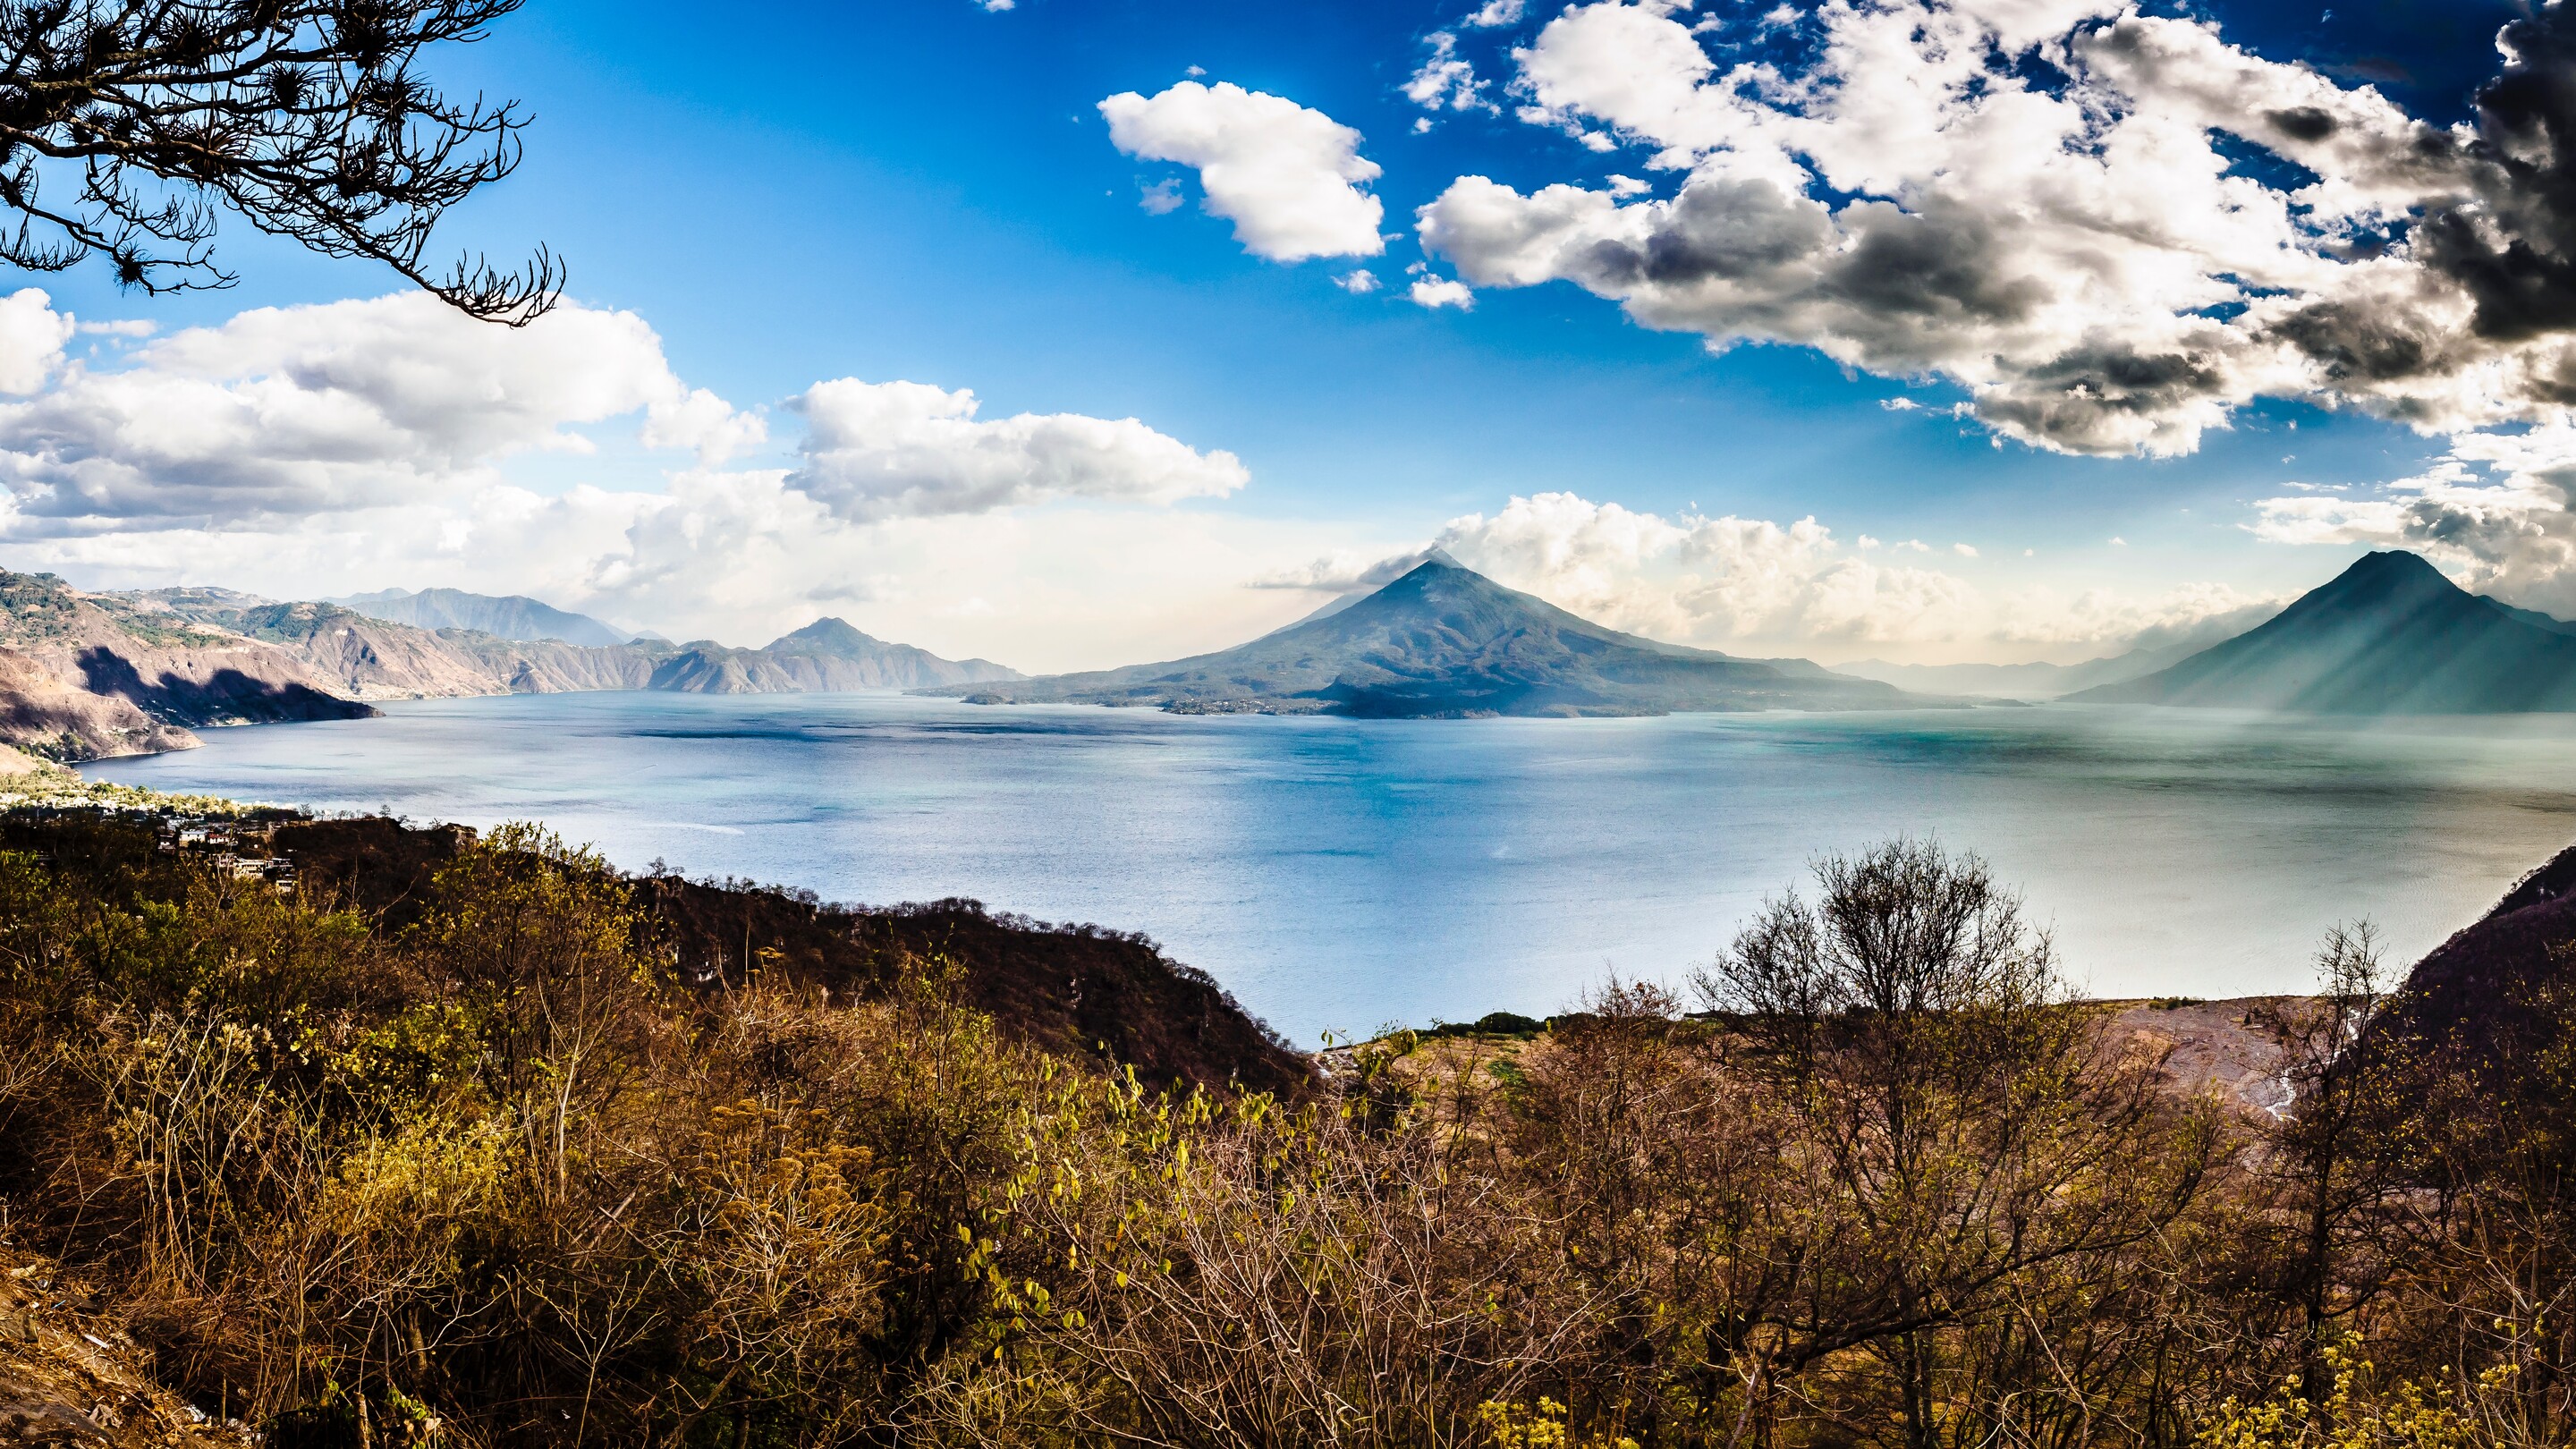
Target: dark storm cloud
x,y
2514,247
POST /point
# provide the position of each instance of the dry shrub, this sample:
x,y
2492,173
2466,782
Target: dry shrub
x,y
497,1178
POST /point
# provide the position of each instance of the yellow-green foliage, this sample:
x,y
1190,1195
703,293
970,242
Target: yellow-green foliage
x,y
1519,1426
497,1179
2356,1415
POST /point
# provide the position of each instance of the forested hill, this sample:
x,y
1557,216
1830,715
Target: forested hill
x,y
2494,979
1079,990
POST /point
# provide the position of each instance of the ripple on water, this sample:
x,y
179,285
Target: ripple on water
x,y
1340,873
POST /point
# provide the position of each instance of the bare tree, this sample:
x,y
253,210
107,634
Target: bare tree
x,y
1966,1128
125,124
2333,1144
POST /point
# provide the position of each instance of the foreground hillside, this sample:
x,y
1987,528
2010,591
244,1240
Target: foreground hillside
x,y
370,1135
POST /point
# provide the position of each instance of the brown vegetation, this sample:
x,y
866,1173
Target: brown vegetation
x,y
478,1142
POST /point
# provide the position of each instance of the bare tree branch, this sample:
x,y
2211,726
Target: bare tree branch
x,y
307,117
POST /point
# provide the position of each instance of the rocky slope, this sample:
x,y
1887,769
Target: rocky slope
x,y
374,658
83,676
1446,642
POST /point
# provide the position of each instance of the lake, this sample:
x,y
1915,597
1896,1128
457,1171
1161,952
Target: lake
x,y
1347,874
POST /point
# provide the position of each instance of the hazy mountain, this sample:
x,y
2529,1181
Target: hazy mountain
x,y
838,656
511,616
2390,635
1445,641
2019,681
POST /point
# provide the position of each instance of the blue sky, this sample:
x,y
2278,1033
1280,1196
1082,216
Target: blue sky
x,y
925,190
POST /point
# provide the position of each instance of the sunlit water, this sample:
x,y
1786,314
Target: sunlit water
x,y
1345,874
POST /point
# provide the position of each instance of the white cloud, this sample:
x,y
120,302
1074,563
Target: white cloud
x,y
879,450
1342,571
1442,292
1446,79
119,327
1964,550
702,423
1494,14
2082,258
1288,177
284,411
1358,283
2494,510
1162,198
32,335
1748,584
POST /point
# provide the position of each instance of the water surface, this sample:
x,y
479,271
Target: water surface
x,y
1346,874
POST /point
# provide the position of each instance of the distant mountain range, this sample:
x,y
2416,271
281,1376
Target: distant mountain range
x,y
2017,681
2390,635
2023,682
510,616
1444,641
83,675
86,675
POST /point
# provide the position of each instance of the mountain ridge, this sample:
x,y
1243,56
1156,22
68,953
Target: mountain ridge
x,y
503,616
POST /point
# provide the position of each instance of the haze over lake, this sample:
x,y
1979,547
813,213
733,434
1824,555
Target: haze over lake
x,y
1345,874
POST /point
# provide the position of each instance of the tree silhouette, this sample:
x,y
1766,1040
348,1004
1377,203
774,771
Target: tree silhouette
x,y
125,123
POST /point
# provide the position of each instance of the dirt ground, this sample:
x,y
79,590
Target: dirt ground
x,y
2205,1045
70,1376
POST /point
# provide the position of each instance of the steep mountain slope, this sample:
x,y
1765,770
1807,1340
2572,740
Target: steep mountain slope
x,y
84,676
507,616
1444,641
2390,635
364,658
2481,978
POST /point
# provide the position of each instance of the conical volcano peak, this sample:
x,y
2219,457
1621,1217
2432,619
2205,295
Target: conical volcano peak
x,y
1444,641
2391,568
2389,635
827,635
